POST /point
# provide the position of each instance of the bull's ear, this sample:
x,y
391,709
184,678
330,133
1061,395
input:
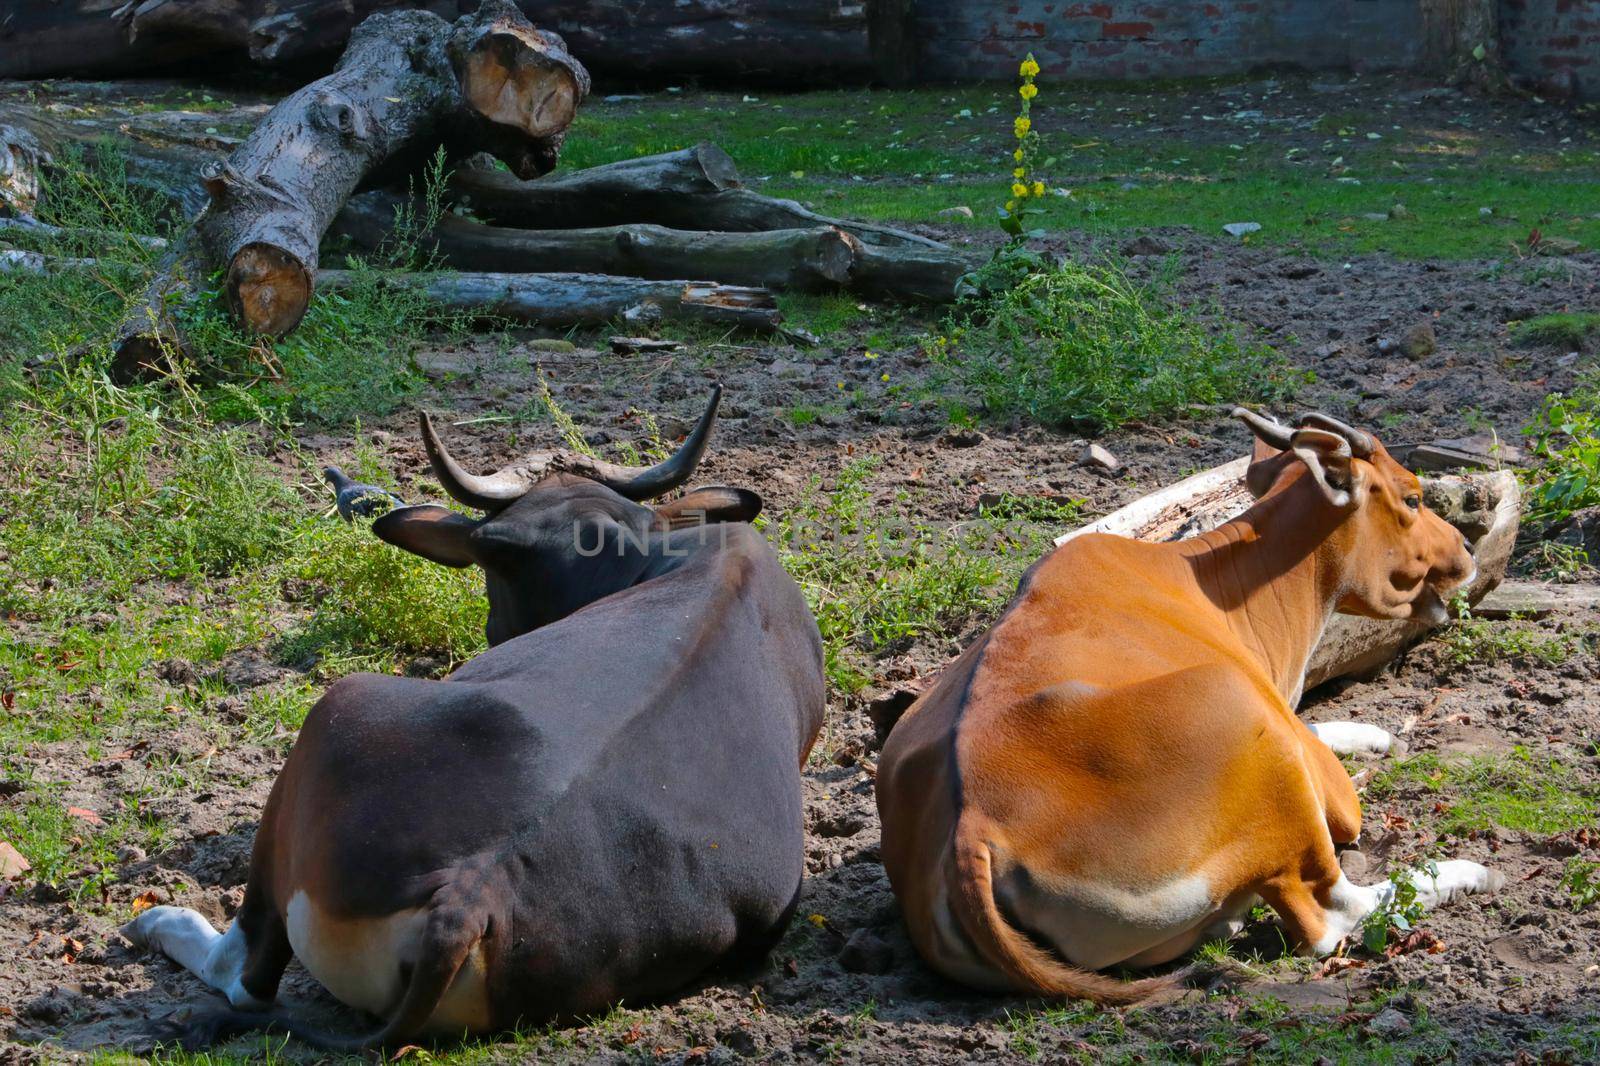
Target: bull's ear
x,y
1327,456
431,531
710,505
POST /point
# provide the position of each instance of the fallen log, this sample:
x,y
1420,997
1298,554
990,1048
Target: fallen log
x,y
772,39
811,260
20,162
406,81
1485,507
693,189
583,299
817,259
99,38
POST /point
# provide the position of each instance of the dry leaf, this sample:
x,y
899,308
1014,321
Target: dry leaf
x,y
8,700
85,815
12,864
144,901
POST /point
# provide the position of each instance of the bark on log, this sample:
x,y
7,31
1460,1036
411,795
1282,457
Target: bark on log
x,y
696,188
1485,507
812,260
407,80
584,299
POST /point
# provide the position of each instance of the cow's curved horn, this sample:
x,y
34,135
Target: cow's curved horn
x,y
487,493
1361,443
1273,433
643,483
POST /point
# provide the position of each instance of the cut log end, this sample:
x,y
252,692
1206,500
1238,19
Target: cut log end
x,y
268,289
509,80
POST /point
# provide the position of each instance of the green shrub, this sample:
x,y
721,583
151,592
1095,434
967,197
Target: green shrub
x,y
1085,346
1566,439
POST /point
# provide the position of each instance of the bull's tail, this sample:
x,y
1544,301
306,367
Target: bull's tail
x,y
448,938
1026,965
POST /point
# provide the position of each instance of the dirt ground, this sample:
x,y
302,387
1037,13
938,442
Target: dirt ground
x,y
1515,975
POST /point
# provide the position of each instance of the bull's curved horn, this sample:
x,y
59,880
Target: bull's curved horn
x,y
643,483
1361,443
488,493
1273,433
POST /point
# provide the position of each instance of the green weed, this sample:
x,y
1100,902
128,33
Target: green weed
x,y
1566,440
1581,879
1399,914
1088,347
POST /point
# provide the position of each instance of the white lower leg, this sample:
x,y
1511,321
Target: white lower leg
x,y
1350,738
188,939
1350,904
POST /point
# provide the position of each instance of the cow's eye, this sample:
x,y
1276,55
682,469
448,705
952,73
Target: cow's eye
x,y
1414,502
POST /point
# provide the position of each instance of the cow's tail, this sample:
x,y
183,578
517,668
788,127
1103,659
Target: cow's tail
x,y
1027,966
448,938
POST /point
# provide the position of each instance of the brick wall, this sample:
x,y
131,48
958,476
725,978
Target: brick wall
x,y
966,39
1553,44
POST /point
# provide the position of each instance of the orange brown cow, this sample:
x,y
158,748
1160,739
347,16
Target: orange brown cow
x,y
1115,773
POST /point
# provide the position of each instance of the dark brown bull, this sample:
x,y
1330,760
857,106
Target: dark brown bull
x,y
602,806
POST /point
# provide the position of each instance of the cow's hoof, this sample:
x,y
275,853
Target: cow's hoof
x,y
1353,738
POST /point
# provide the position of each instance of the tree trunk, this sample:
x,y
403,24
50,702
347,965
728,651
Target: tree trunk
x,y
584,299
407,80
1462,40
1485,507
697,188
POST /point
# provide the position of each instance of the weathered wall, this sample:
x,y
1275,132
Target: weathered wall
x,y
1553,44
962,39
1547,43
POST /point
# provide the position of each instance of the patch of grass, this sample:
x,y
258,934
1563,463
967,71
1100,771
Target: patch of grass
x,y
1569,330
1477,640
821,314
1086,346
873,581
67,844
374,600
1536,793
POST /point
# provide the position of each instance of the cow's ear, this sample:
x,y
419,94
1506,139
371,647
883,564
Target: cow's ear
x,y
1327,456
1267,464
710,505
431,531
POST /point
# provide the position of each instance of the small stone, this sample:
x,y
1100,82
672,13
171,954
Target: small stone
x,y
1100,458
1485,212
1389,1022
1239,229
1399,213
1419,341
866,952
1559,246
1387,345
1354,864
959,211
631,345
129,854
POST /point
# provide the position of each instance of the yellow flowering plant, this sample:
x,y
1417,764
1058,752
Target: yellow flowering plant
x,y
1026,189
